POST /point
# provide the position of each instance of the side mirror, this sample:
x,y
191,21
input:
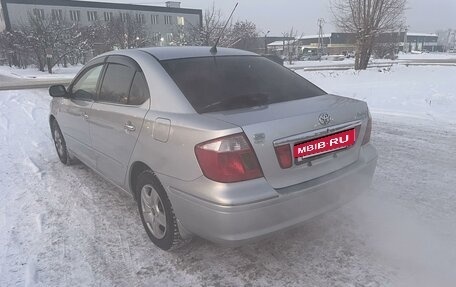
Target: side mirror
x,y
58,91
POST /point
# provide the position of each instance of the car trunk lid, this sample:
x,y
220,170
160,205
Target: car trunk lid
x,y
296,122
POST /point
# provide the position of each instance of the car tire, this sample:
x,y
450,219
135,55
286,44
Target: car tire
x,y
156,212
60,144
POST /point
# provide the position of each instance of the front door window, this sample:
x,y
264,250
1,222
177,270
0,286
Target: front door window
x,y
86,86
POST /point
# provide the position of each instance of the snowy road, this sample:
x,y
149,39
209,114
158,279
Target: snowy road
x,y
10,83
65,226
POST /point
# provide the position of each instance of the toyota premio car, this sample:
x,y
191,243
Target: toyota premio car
x,y
224,144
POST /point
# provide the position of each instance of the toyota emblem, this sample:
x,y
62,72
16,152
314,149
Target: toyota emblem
x,y
324,119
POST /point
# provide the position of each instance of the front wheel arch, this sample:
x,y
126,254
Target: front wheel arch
x,y
52,119
62,151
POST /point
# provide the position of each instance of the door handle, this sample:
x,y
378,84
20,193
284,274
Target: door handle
x,y
129,127
85,116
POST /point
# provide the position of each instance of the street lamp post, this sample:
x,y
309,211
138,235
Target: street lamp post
x,y
10,57
49,59
406,45
266,42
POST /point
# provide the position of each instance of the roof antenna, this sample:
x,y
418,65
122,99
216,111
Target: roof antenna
x,y
214,48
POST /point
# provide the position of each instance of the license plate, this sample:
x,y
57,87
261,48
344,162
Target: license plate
x,y
325,144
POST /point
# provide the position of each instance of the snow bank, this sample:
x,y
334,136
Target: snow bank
x,y
427,56
421,91
326,62
402,58
33,73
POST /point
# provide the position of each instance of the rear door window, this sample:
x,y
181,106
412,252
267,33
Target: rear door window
x,y
116,84
139,92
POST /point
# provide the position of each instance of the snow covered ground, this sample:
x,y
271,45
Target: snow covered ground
x,y
65,226
33,73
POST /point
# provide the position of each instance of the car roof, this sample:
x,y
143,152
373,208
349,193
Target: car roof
x,y
169,53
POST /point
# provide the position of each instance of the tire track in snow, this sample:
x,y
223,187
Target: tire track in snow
x,y
20,253
38,114
34,167
31,276
4,123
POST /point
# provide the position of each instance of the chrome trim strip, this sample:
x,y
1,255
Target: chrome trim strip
x,y
316,133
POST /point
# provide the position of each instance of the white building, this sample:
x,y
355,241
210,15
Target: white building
x,y
159,21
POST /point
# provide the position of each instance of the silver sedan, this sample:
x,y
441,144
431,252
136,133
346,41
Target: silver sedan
x,y
226,145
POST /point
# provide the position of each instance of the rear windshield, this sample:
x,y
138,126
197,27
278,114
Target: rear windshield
x,y
213,84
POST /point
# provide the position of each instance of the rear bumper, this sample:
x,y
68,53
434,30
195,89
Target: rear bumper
x,y
235,225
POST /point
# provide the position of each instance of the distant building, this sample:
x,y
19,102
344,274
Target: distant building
x,y
422,42
259,44
333,43
340,43
160,21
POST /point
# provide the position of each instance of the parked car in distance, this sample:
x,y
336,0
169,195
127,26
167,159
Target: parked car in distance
x,y
312,58
337,58
228,146
274,58
348,54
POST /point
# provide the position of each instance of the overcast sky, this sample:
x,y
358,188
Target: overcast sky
x,y
424,16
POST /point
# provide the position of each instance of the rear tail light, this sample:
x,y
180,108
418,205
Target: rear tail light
x,y
228,159
283,154
367,134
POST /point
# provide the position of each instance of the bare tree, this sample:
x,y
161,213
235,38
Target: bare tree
x,y
290,45
211,26
211,29
185,36
14,46
126,31
388,46
201,35
50,40
447,39
367,19
94,42
240,33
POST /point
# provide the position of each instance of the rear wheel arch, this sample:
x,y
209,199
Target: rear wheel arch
x,y
136,169
165,233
